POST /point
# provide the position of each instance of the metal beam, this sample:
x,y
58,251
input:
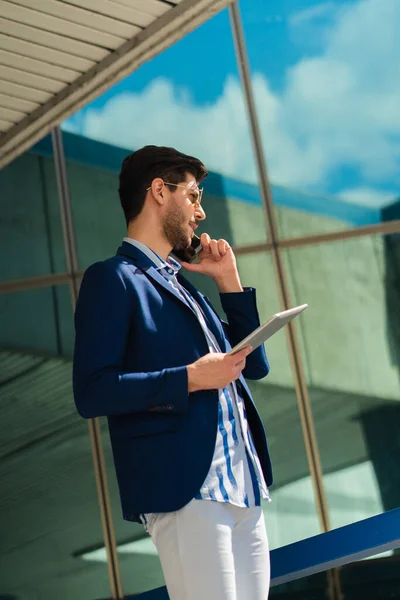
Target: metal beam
x,y
162,33
303,401
386,228
93,424
272,230
33,283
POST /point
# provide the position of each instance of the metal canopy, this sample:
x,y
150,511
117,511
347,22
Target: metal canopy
x,y
58,55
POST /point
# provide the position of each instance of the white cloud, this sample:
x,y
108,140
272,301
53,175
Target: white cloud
x,y
342,107
338,109
324,10
217,132
368,197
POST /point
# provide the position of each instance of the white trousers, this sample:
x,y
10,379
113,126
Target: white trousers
x,y
213,551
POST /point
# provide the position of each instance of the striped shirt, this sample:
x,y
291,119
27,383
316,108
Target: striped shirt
x,y
235,474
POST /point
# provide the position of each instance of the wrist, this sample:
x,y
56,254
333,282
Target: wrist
x,y
191,370
229,284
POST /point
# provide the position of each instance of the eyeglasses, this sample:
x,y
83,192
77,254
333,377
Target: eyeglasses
x,y
195,193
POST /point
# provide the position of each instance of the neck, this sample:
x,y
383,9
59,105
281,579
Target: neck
x,y
151,235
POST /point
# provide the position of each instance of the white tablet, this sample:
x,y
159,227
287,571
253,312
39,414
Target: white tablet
x,y
265,331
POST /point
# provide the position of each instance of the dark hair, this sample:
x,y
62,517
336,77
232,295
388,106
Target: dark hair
x,y
141,167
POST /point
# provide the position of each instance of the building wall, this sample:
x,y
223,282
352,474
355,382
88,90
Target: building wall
x,y
349,341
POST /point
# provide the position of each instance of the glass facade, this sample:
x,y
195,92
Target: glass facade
x,y
30,225
350,345
292,514
314,587
49,504
331,169
324,86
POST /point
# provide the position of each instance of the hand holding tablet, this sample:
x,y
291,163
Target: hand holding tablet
x,y
265,331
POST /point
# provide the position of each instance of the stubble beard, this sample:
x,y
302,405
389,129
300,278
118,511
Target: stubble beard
x,y
175,229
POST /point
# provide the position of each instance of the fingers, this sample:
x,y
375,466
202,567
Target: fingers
x,y
241,365
241,355
223,247
215,248
239,359
205,243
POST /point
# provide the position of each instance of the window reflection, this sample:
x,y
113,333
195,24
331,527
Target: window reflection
x,y
350,345
314,587
50,511
292,514
30,225
326,86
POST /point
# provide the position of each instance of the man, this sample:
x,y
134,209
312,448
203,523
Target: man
x,y
189,448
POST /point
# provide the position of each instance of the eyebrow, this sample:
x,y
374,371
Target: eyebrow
x,y
197,193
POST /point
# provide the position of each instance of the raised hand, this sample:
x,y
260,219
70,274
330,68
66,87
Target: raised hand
x,y
218,261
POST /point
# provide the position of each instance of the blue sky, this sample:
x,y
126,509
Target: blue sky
x,y
326,79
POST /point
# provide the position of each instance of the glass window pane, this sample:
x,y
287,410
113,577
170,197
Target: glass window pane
x,y
188,97
138,560
30,225
350,338
49,504
38,320
292,514
377,579
314,587
325,77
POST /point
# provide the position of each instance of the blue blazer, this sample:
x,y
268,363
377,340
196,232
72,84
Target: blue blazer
x,y
134,337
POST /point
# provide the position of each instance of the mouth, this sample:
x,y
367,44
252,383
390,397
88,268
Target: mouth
x,y
193,226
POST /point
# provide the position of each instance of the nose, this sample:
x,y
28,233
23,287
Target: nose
x,y
200,214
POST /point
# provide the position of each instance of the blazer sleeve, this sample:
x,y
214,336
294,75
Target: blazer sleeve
x,y
242,314
103,319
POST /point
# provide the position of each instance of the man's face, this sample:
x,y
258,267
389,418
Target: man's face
x,y
183,213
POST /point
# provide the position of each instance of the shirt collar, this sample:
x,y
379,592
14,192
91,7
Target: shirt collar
x,y
159,263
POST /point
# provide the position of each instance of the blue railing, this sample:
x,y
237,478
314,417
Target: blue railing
x,y
337,547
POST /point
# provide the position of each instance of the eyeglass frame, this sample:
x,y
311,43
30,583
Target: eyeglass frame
x,y
186,187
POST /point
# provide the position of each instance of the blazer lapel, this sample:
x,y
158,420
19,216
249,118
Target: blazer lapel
x,y
147,267
158,278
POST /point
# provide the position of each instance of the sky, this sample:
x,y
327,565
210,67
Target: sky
x,y
326,79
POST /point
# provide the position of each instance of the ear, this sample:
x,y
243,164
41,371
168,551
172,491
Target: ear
x,y
157,190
